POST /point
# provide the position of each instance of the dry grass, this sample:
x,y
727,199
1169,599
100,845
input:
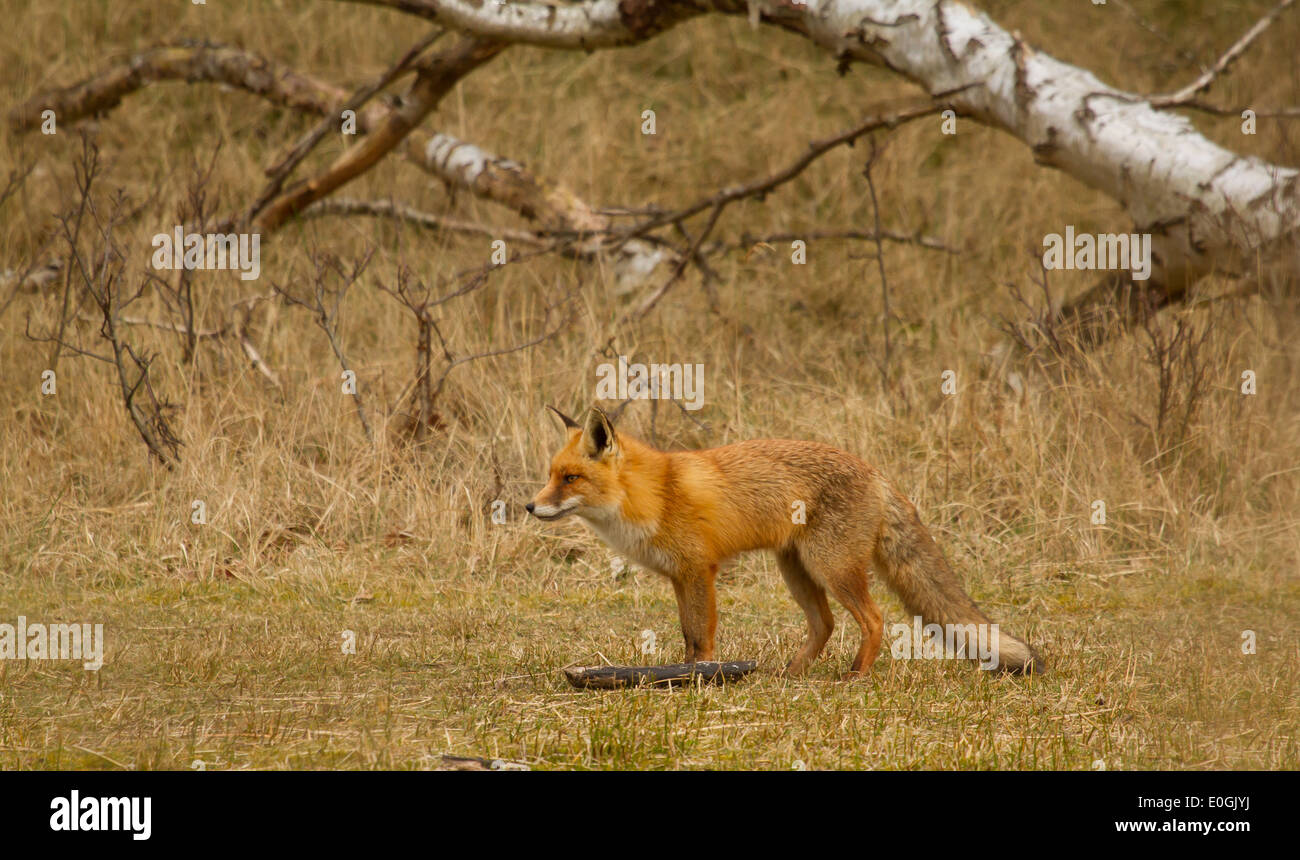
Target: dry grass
x,y
223,640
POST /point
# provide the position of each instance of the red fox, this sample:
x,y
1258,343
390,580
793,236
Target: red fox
x,y
682,513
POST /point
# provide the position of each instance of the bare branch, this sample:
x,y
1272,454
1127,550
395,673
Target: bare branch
x,y
648,305
418,298
169,326
454,362
250,351
347,207
415,298
459,164
325,304
436,76
921,240
189,62
285,166
1206,79
759,188
883,116
100,274
880,264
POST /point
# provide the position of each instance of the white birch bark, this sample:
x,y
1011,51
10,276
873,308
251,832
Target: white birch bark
x,y
1204,205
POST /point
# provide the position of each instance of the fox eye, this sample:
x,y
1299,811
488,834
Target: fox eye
x,y
569,479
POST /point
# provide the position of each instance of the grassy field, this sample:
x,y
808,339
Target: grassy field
x,y
224,639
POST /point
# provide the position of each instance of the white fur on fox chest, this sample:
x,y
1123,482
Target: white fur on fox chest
x,y
630,540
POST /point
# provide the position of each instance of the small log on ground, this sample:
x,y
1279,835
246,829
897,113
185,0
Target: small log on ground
x,y
472,762
614,677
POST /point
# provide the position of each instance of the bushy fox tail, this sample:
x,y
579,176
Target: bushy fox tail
x,y
916,570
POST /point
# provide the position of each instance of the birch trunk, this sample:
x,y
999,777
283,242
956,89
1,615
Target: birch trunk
x,y
1204,205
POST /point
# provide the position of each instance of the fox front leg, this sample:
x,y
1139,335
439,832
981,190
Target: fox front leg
x,y
697,608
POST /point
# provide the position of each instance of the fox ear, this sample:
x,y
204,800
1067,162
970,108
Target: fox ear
x,y
598,435
569,423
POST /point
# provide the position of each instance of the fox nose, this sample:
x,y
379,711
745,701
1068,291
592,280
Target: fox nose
x,y
529,507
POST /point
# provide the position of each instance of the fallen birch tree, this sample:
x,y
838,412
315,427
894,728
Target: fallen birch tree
x,y
1206,208
461,165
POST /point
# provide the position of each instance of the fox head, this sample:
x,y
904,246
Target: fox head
x,y
584,474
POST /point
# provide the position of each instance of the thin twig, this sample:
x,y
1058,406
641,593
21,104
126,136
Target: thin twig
x,y
653,300
1207,78
325,305
280,171
880,118
919,239
880,264
348,206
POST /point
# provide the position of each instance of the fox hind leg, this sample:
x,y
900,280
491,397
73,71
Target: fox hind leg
x,y
811,598
851,587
